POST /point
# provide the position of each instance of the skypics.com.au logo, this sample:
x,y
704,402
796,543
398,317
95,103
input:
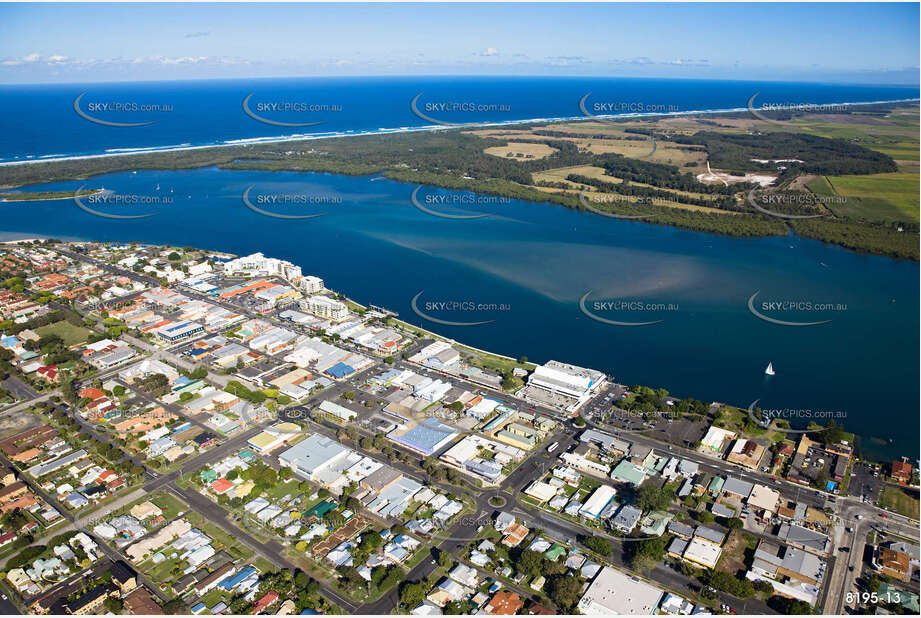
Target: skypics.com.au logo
x,y
455,206
619,307
290,205
617,201
788,107
455,113
770,203
110,205
793,307
769,417
112,113
438,311
294,111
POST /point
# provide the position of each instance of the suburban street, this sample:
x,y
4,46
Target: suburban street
x,y
846,565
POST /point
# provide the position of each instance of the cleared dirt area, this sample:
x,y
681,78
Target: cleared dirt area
x,y
732,560
719,176
800,182
16,422
521,150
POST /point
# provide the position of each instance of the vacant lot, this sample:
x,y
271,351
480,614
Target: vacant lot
x,y
900,501
72,335
733,559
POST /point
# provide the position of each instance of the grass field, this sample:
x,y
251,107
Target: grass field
x,y
280,490
170,505
521,150
560,174
900,501
874,192
869,208
588,137
72,335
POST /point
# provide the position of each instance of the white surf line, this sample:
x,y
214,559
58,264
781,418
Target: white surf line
x,y
127,152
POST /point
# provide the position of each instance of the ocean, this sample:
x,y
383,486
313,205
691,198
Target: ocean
x,y
40,122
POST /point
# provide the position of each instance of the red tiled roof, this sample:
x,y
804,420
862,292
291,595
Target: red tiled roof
x,y
269,598
92,393
504,602
220,486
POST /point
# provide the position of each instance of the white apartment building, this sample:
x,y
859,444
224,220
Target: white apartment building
x,y
258,264
325,307
310,284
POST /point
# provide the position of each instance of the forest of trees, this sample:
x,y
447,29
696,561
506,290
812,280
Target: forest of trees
x,y
820,155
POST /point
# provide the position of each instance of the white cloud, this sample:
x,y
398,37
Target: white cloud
x,y
565,61
490,51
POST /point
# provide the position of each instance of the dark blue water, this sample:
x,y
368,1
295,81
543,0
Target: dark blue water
x,y
40,121
539,260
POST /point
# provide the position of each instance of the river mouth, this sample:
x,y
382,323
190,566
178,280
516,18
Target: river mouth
x,y
646,304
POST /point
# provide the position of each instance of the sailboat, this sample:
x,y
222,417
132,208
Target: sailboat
x,y
769,370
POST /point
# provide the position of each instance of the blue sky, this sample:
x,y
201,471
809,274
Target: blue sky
x,y
859,43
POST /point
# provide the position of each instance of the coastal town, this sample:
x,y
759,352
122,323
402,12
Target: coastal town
x,y
185,431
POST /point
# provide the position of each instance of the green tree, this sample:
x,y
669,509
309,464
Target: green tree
x,y
454,608
412,593
790,607
444,559
173,607
511,382
599,545
833,433
649,497
564,590
114,605
742,588
704,517
642,563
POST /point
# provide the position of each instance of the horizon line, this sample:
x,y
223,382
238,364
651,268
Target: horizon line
x,y
467,75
